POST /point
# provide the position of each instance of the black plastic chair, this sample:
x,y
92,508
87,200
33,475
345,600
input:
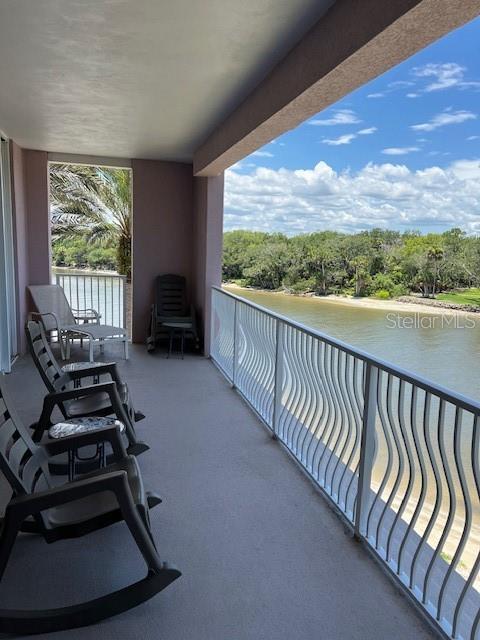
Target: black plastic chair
x,y
57,378
100,499
171,306
101,399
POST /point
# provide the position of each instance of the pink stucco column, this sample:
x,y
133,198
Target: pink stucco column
x,y
31,226
39,239
162,231
208,243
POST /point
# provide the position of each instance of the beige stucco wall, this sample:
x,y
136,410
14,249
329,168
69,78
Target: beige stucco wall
x,y
207,248
30,226
162,231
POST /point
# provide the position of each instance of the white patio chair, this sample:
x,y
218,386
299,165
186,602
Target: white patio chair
x,y
56,315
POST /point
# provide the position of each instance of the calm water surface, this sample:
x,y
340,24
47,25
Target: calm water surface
x,y
445,354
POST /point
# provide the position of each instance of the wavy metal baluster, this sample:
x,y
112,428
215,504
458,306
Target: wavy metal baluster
x,y
353,423
350,426
292,347
290,384
356,412
326,412
326,444
311,420
359,393
475,459
423,486
316,437
410,462
387,422
343,419
452,502
438,488
303,408
264,345
468,508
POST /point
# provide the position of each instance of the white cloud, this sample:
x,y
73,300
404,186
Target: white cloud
x,y
471,138
341,116
444,76
391,87
399,151
386,195
262,154
345,139
349,137
401,84
413,95
443,119
367,132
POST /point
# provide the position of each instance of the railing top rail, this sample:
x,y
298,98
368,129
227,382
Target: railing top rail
x,y
448,395
115,276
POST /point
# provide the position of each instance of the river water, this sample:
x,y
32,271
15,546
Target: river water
x,y
442,348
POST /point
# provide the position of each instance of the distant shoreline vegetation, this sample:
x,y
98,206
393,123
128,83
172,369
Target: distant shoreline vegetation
x,y
80,253
378,263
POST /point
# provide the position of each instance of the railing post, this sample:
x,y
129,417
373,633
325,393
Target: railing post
x,y
235,344
124,300
278,380
367,446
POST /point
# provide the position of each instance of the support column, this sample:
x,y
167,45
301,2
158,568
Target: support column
x,y
208,244
162,232
31,227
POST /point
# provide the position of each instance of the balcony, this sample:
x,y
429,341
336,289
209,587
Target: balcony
x,y
262,554
178,97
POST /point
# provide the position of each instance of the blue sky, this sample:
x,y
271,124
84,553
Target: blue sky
x,y
402,152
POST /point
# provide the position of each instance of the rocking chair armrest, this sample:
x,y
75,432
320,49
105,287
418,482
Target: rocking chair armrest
x,y
108,434
96,370
31,504
57,399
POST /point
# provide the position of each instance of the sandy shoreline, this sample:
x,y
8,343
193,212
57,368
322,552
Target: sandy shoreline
x,y
368,303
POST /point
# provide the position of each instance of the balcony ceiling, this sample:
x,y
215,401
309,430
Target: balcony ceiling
x,y
136,78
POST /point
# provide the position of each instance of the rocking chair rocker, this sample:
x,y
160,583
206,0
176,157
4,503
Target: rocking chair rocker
x,y
72,510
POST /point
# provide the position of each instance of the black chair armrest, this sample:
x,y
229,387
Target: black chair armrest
x,y
57,398
108,434
96,370
116,481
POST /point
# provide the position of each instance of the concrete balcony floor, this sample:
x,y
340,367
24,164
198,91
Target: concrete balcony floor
x,y
262,555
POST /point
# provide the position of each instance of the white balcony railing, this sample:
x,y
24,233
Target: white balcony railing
x,y
397,455
106,293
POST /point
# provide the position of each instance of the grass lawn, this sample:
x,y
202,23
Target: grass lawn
x,y
467,296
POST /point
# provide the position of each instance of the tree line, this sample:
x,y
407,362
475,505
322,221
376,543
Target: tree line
x,y
80,253
379,262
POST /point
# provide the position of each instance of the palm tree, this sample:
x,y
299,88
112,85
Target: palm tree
x,y
435,255
93,203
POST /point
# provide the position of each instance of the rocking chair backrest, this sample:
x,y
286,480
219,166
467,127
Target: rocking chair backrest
x,y
22,461
43,357
170,295
51,299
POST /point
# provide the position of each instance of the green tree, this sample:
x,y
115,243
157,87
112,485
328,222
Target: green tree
x,y
94,203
